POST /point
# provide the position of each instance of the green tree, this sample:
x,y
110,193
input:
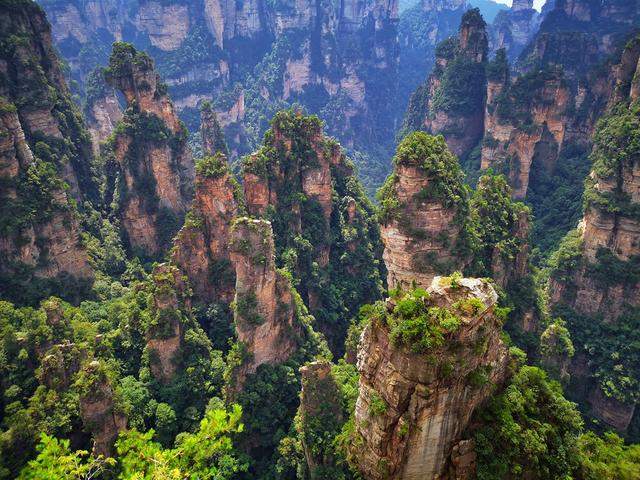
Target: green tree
x,y
55,461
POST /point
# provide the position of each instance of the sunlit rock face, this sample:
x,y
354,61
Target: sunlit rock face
x,y
413,407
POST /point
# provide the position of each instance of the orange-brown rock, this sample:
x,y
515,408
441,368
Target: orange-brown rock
x,y
599,282
413,407
47,240
102,110
540,100
302,181
152,163
201,248
421,229
266,314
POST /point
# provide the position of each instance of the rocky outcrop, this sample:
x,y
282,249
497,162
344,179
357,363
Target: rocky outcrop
x,y
151,166
595,283
277,54
211,133
526,122
98,408
424,212
102,109
265,313
41,175
323,225
415,402
201,248
513,29
553,105
422,27
453,98
164,337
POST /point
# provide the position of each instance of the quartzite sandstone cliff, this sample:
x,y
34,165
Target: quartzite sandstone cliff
x,y
150,166
413,407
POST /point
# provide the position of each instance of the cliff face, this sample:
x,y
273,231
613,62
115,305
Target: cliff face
x,y
323,224
41,174
513,29
253,57
595,281
421,28
424,209
416,400
452,101
102,109
201,248
265,315
151,165
525,122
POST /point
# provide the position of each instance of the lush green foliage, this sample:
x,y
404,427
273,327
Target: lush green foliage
x,y
206,454
496,219
529,430
431,155
616,148
352,276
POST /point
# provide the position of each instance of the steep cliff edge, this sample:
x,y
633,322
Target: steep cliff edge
x,y
201,248
513,29
432,224
595,283
101,108
452,100
254,58
422,27
150,165
266,315
427,360
324,229
45,164
424,213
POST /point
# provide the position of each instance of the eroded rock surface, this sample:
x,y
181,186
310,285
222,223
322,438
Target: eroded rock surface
x,y
413,407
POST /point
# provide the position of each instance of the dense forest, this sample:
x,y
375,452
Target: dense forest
x,y
308,240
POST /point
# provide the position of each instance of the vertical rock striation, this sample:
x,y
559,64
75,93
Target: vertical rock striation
x,y
415,401
102,109
424,208
452,101
595,284
265,314
201,248
152,168
323,224
45,163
